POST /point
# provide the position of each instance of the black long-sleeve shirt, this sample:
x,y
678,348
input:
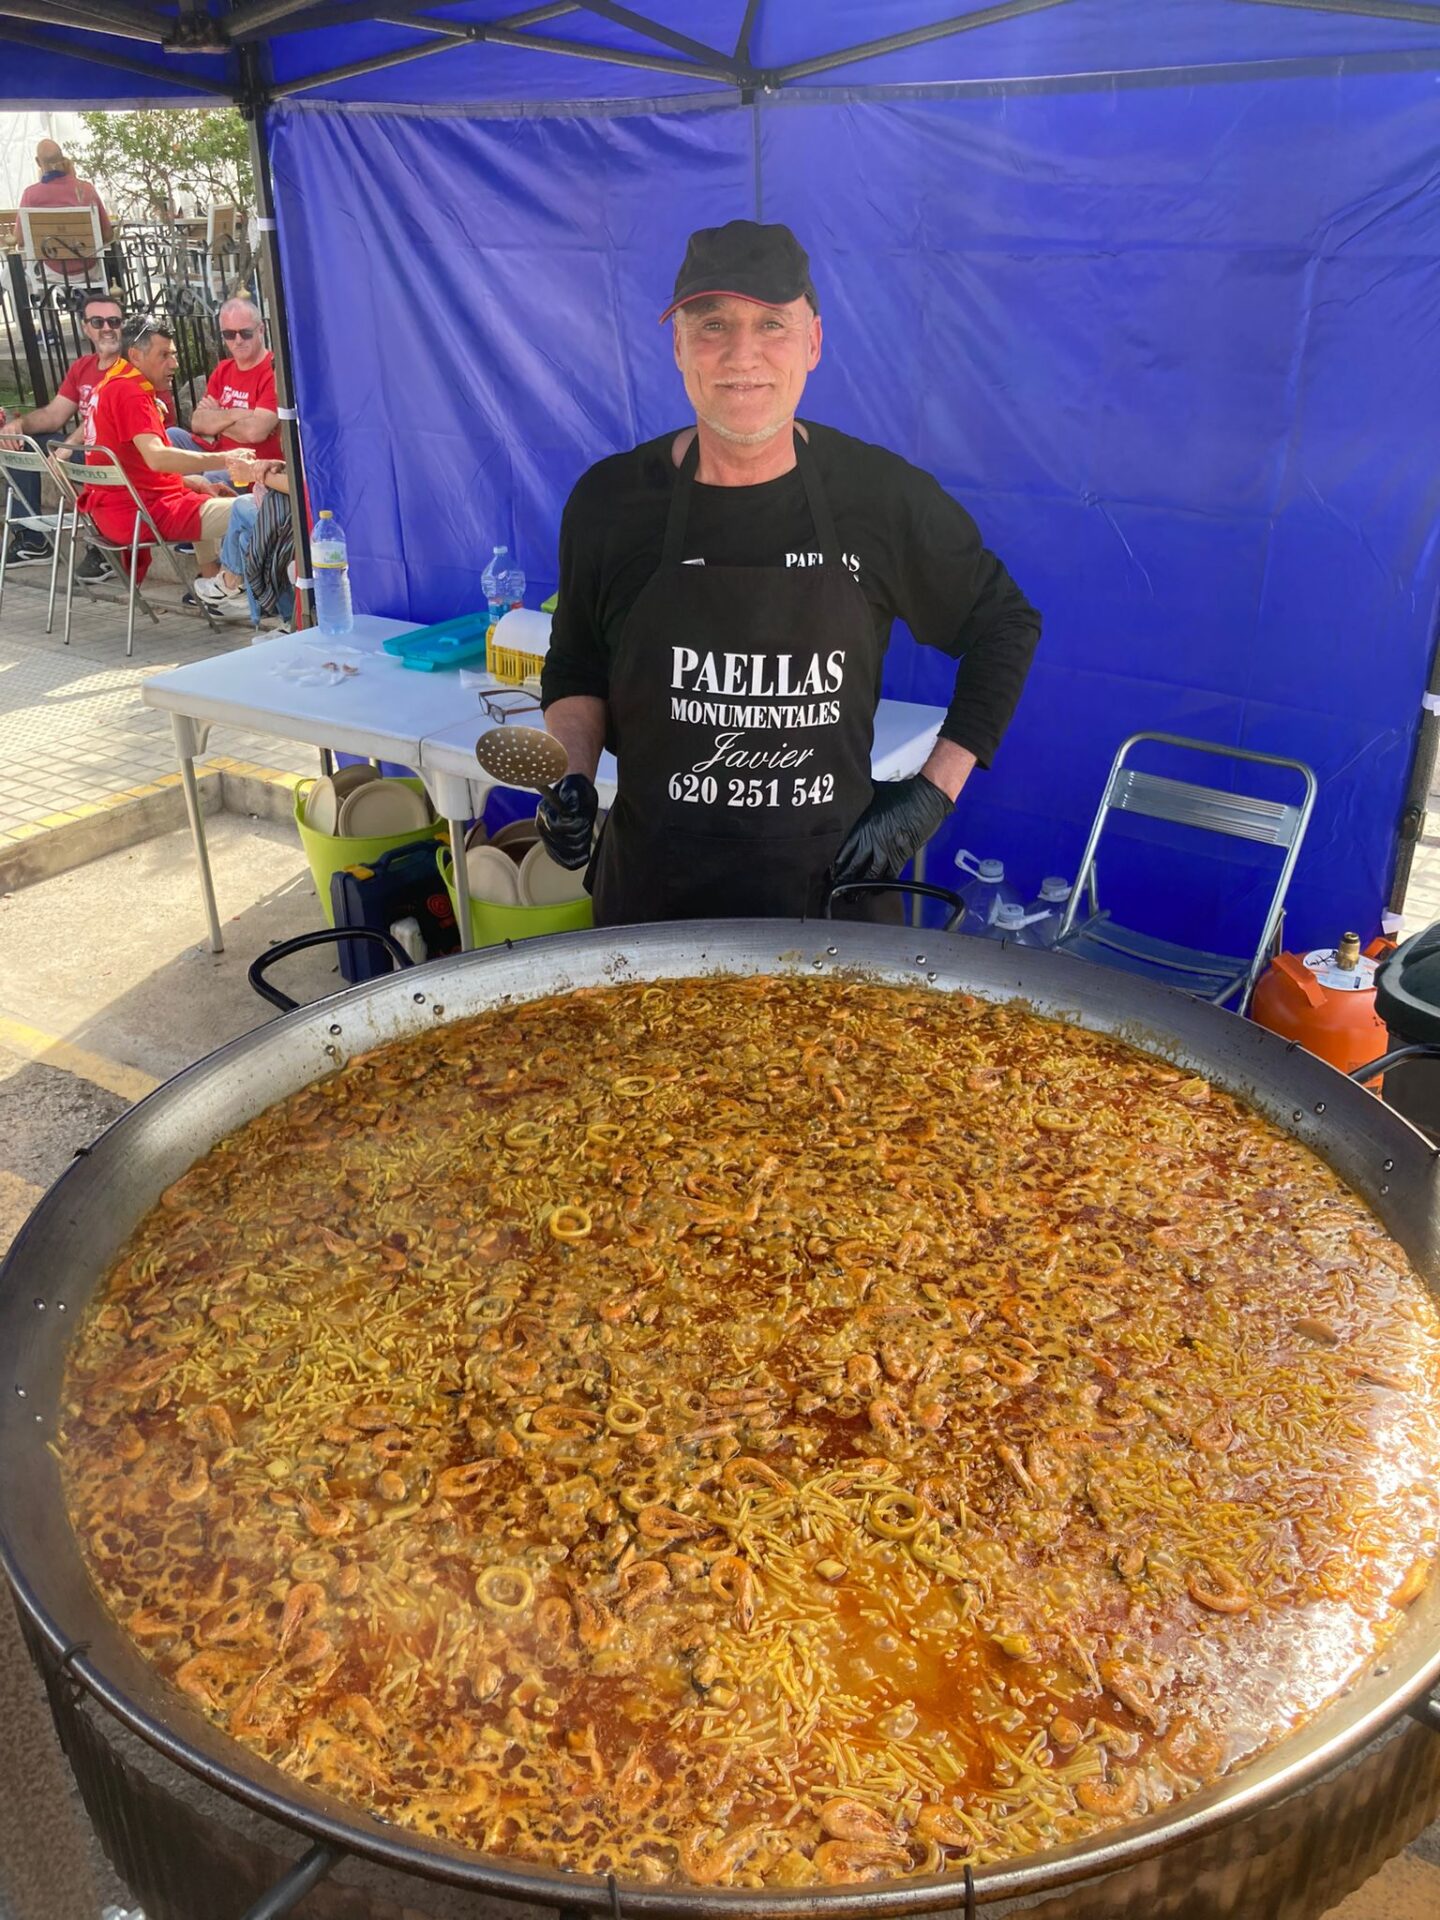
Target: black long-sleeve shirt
x,y
916,553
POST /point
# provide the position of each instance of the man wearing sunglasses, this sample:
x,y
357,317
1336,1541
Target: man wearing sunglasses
x,y
239,408
170,481
74,401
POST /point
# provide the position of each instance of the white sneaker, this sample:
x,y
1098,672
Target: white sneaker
x,y
214,590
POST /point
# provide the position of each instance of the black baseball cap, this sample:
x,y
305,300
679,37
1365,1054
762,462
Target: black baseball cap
x,y
744,261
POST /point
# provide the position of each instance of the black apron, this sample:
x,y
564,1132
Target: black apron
x,y
742,703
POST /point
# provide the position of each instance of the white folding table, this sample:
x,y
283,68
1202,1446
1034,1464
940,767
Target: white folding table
x,y
389,712
382,712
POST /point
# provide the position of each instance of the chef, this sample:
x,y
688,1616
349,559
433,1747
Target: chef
x,y
726,598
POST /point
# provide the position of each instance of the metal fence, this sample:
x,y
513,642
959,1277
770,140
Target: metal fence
x,y
162,271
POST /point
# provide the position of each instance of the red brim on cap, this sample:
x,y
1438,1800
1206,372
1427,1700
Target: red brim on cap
x,y
723,293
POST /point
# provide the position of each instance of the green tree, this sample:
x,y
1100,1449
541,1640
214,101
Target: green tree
x,y
148,164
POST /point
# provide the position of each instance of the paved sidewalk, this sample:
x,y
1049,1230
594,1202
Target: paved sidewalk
x,y
75,738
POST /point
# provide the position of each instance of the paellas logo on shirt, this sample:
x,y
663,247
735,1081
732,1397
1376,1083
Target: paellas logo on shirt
x,y
235,399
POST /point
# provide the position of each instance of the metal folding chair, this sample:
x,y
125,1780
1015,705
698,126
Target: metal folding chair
x,y
124,554
29,457
1216,977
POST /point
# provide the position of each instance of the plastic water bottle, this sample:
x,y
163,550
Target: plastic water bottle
x,y
493,583
330,564
985,892
512,587
1049,905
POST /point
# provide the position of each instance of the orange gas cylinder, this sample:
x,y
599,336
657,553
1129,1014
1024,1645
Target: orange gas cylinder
x,y
1326,1000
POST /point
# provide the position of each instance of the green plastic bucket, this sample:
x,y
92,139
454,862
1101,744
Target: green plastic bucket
x,y
328,853
489,924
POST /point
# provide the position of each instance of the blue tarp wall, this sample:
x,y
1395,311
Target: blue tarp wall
x,y
1174,349
1155,293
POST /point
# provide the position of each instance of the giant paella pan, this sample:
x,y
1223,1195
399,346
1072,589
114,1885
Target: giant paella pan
x,y
739,1412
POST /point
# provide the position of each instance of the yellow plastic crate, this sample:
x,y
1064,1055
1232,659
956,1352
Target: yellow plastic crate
x,y
515,666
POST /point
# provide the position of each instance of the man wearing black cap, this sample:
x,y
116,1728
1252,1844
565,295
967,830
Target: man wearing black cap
x,y
726,598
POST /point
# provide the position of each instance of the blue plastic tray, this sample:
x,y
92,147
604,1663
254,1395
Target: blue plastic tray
x,y
451,643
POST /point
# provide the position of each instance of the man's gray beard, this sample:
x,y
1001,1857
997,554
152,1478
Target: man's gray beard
x,y
723,432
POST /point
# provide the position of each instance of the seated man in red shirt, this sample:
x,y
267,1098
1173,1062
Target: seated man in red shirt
x,y
74,400
170,481
239,408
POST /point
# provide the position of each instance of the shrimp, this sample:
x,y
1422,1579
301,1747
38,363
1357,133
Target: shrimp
x,y
644,1581
944,1827
322,1524
1214,1435
210,1427
1130,1688
1217,1588
666,1525
594,1622
1413,1585
304,1604
852,1820
1110,1797
862,1371
844,1861
1192,1749
193,1483
312,1649
889,1420
458,1483
553,1622
732,1580
227,1625
213,1677
711,1863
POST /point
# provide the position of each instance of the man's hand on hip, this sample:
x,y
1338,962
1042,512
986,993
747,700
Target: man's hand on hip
x,y
567,823
896,824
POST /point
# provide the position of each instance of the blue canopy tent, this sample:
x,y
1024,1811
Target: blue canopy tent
x,y
1155,292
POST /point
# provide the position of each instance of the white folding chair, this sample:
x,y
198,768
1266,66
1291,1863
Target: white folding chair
x,y
28,457
1217,977
124,555
62,248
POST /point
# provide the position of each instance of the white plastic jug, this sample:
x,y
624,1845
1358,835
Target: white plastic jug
x,y
985,892
1049,906
1012,923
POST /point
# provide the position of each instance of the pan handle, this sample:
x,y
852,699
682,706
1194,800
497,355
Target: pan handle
x,y
1421,1050
287,1893
1427,1711
258,968
952,900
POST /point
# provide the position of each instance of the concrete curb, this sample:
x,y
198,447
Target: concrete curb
x,y
86,832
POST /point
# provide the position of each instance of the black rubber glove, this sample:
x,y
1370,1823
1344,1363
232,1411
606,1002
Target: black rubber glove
x,y
898,821
568,828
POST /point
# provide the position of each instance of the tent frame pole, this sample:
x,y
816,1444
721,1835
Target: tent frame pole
x,y
911,37
253,106
1405,10
102,57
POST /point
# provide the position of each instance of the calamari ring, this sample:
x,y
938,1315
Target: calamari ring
x,y
895,1514
570,1223
491,1584
624,1415
633,1086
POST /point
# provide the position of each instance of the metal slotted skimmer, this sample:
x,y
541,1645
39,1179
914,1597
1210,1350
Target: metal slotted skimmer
x,y
523,757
